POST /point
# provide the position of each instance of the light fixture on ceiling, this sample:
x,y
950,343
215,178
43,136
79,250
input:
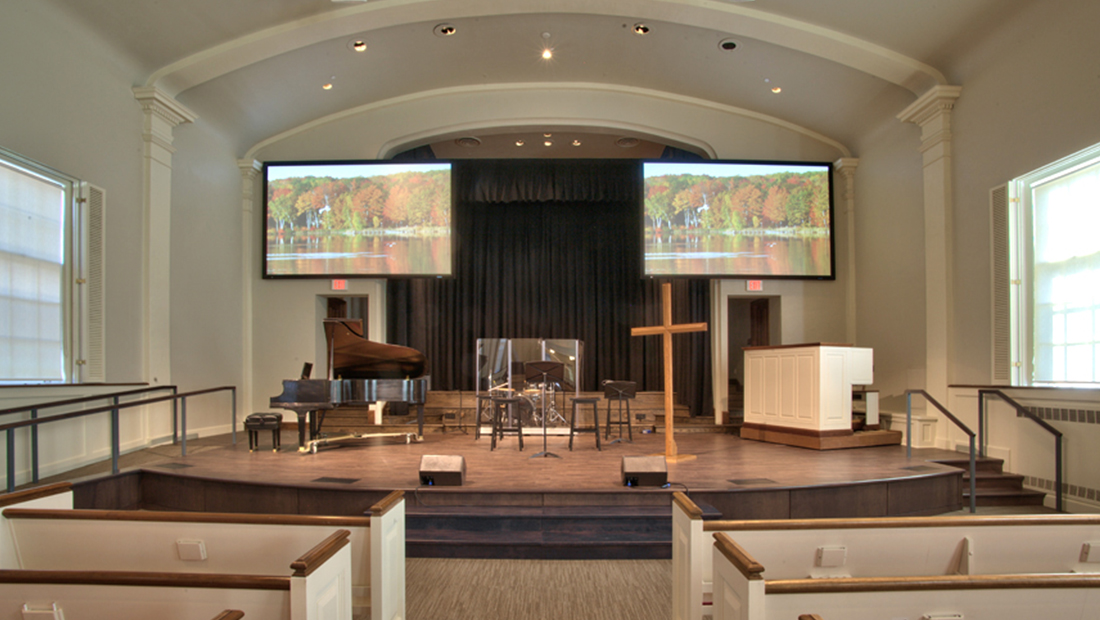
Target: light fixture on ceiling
x,y
444,30
641,29
326,86
777,90
468,142
727,45
627,142
547,135
547,53
519,143
576,142
548,143
357,45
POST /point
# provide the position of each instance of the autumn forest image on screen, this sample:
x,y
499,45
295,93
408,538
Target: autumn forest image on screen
x,y
358,219
746,219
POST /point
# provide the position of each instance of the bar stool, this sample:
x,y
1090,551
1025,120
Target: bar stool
x,y
621,391
484,405
577,403
257,422
506,405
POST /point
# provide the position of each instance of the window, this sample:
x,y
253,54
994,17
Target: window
x,y
1054,232
50,281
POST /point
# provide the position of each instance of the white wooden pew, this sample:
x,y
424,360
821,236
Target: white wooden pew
x,y
742,593
880,547
316,586
222,543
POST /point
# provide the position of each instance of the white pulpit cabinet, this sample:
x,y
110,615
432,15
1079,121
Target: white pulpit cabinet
x,y
802,394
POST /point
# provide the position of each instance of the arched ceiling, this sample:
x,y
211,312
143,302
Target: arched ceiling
x,y
254,69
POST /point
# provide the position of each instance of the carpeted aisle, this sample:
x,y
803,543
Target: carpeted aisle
x,y
464,589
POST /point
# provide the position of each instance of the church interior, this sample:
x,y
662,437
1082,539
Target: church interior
x,y
180,129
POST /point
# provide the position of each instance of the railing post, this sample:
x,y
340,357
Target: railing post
x,y
34,447
973,479
981,423
233,421
11,459
183,424
1058,472
114,438
908,424
175,417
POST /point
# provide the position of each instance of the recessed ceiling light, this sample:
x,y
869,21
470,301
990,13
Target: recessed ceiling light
x,y
519,142
626,142
548,143
469,142
576,142
358,45
327,86
727,45
547,54
641,29
777,90
444,30
547,135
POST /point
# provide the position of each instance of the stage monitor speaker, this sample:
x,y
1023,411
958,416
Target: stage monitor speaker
x,y
442,470
644,471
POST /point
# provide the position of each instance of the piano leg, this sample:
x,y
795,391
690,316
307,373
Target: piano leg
x,y
420,419
302,430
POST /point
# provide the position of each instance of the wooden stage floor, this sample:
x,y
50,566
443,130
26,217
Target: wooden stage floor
x,y
515,506
724,464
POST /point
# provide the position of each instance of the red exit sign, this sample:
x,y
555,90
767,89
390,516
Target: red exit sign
x,y
339,285
754,285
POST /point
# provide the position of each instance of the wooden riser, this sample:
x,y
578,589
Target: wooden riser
x,y
862,439
578,532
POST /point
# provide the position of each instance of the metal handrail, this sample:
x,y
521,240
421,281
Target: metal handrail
x,y
958,422
982,393
114,409
34,409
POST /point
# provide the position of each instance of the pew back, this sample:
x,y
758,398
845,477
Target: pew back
x,y
58,496
795,549
315,586
742,593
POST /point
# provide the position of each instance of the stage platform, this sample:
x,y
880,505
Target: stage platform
x,y
512,505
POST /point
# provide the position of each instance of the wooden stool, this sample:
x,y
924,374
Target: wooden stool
x,y
263,422
621,391
483,401
577,402
506,405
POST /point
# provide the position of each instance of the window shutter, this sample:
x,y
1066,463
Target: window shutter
x,y
1001,285
92,292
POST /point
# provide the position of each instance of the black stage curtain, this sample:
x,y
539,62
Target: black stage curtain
x,y
551,249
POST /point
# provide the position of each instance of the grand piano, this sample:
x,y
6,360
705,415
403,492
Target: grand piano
x,y
360,372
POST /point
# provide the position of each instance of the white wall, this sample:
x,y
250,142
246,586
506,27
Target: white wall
x,y
206,275
65,101
1030,93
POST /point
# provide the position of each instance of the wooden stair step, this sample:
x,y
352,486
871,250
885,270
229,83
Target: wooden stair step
x,y
982,463
1005,497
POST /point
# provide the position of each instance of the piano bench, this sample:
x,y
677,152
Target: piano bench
x,y
263,422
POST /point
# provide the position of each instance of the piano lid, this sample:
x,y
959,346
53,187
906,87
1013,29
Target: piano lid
x,y
351,356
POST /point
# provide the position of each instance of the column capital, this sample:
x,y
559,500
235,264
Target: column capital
x,y
250,168
846,165
155,101
934,102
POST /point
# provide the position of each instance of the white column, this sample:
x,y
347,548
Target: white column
x,y
845,168
932,112
250,172
162,115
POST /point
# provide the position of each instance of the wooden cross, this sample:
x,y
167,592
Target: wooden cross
x,y
666,329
